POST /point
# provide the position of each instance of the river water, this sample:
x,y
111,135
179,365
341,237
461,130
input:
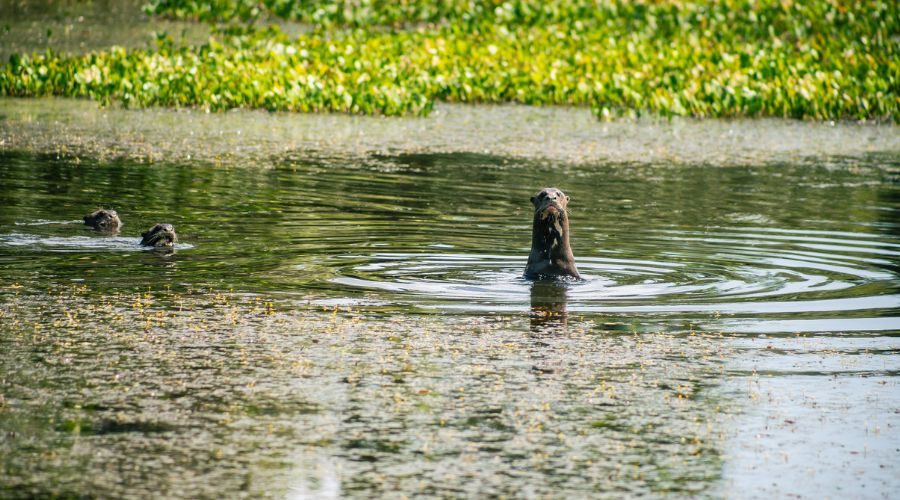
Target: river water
x,y
345,315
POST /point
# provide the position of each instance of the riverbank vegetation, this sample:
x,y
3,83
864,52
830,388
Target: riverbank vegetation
x,y
824,59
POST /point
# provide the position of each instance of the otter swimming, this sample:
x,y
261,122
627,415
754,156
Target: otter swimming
x,y
103,220
160,235
551,255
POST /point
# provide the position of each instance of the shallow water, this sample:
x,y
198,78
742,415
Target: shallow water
x,y
749,247
343,321
80,26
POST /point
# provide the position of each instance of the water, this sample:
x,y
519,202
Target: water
x,y
349,319
80,26
757,246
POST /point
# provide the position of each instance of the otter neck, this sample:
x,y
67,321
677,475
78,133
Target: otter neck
x,y
551,235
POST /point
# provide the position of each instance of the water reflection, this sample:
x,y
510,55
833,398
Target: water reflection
x,y
403,231
356,327
549,304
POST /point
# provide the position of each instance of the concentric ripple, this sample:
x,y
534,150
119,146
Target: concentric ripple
x,y
721,271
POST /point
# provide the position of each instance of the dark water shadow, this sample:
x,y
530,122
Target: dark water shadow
x,y
549,301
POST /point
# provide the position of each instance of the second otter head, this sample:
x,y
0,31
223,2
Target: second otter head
x,y
160,235
104,219
550,202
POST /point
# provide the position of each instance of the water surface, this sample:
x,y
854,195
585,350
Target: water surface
x,y
348,321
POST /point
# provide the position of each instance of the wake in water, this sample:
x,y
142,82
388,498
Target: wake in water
x,y
771,279
45,222
77,243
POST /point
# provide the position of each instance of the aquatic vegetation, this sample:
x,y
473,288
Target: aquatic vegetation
x,y
818,60
569,135
209,393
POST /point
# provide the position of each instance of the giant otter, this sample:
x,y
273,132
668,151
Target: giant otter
x,y
103,220
160,235
551,255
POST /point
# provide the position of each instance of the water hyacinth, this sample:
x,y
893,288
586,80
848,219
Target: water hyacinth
x,y
819,60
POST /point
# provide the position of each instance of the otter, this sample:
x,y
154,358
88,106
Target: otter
x,y
103,220
160,235
551,256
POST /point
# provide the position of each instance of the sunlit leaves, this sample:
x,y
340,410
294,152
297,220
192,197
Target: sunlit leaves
x,y
820,60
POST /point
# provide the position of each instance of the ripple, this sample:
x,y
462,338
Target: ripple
x,y
45,222
722,272
78,243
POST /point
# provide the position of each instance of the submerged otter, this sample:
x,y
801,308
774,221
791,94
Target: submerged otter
x,y
551,255
103,220
160,235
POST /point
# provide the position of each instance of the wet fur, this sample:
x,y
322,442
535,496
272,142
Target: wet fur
x,y
103,220
551,254
160,235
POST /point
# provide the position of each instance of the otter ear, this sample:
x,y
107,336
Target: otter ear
x,y
567,198
533,200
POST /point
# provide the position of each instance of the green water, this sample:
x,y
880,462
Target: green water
x,y
345,316
80,26
350,320
448,232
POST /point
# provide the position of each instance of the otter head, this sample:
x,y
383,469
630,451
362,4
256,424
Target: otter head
x,y
103,220
160,235
550,203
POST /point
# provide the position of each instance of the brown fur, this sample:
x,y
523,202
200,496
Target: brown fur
x,y
551,255
103,220
160,235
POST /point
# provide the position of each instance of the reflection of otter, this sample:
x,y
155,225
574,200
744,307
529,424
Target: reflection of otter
x,y
548,304
551,254
103,220
160,235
